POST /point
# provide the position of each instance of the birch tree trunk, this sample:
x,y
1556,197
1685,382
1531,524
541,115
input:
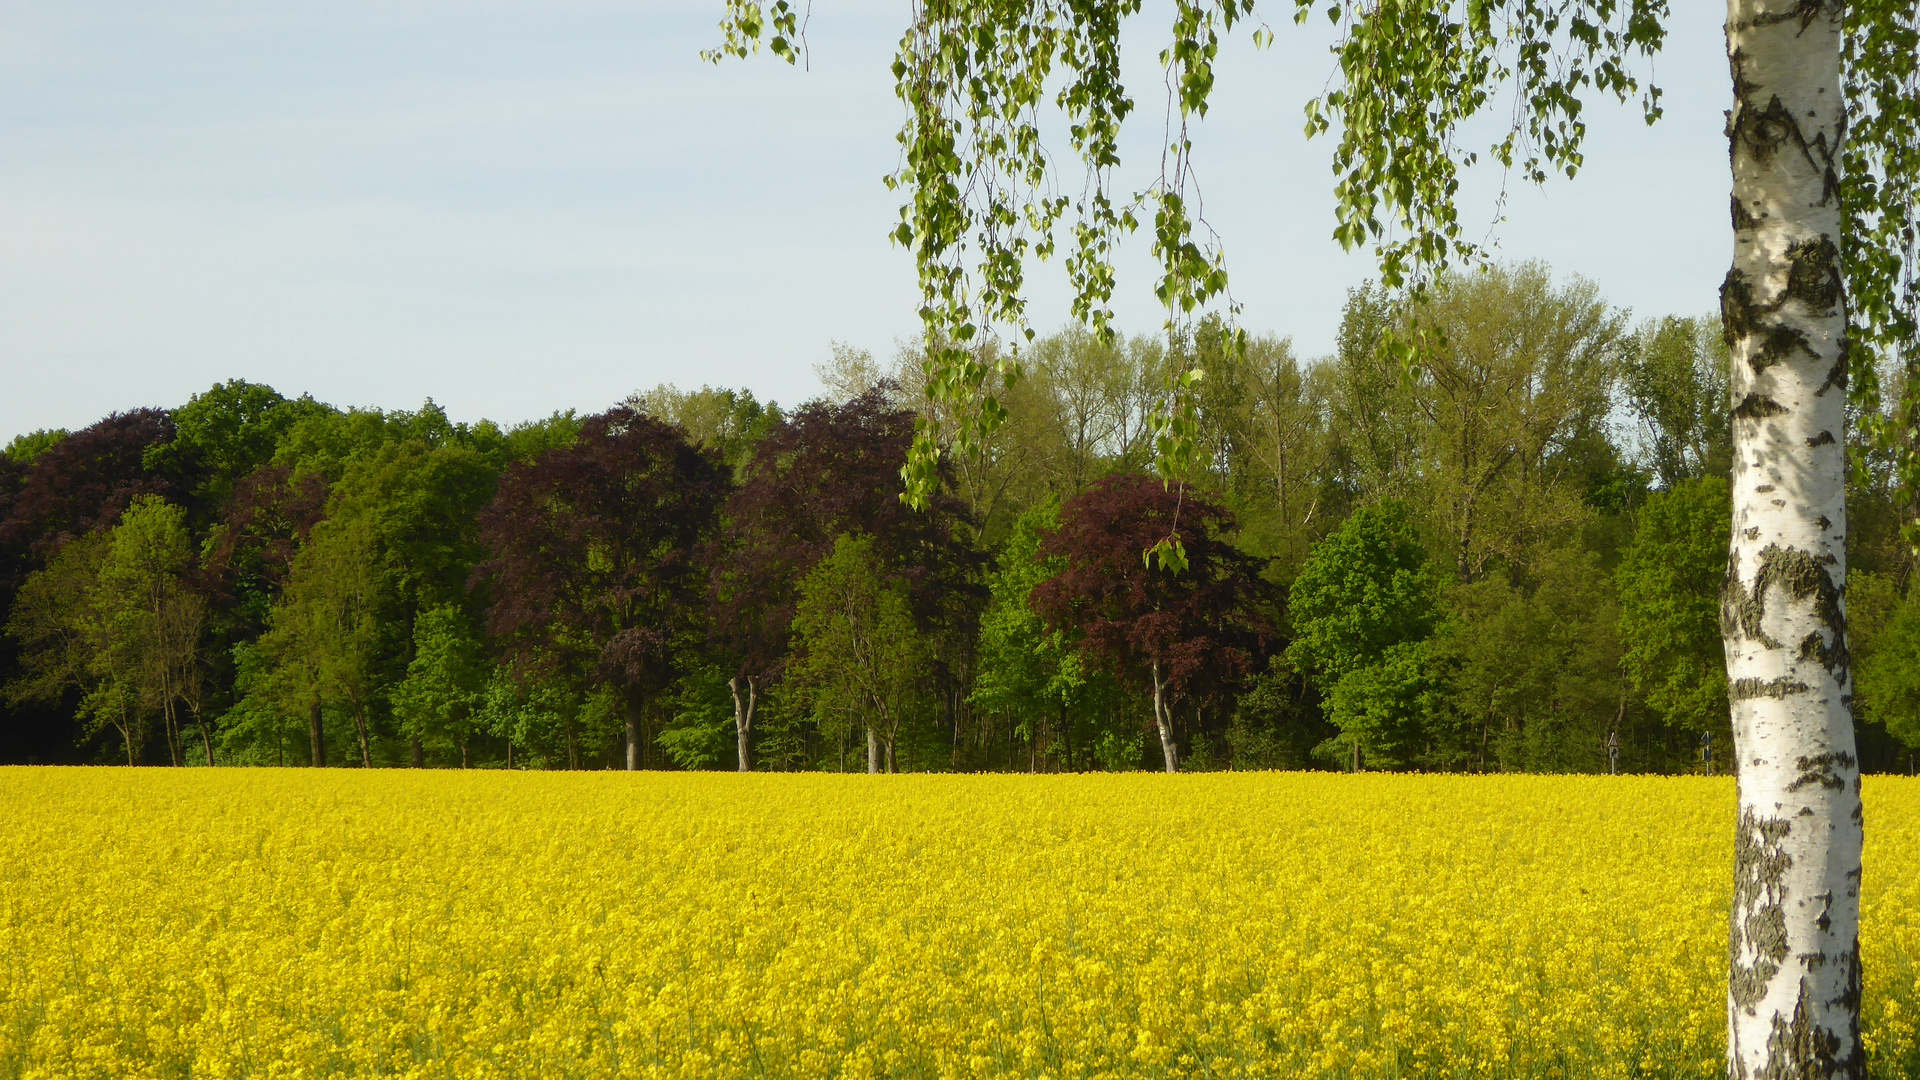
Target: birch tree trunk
x,y
1163,721
1793,994
873,752
743,719
633,734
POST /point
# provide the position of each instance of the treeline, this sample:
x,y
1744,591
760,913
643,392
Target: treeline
x,y
1505,559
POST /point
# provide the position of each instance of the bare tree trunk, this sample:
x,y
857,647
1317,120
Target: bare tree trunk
x,y
206,737
317,736
463,753
1163,720
169,726
743,719
873,752
366,744
419,752
633,733
1793,993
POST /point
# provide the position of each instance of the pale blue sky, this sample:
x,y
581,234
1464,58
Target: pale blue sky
x,y
520,207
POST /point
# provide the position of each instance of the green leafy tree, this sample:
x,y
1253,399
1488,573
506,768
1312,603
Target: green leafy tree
x,y
1533,668
728,422
860,661
542,712
24,449
53,623
1676,386
1669,585
114,618
440,702
328,642
1887,659
1362,609
224,433
1034,675
700,718
149,622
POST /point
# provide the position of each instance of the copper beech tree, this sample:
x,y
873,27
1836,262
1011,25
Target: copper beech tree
x,y
592,555
1168,634
825,471
1823,135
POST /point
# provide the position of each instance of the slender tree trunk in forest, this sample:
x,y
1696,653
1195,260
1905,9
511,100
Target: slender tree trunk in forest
x,y
743,718
633,732
317,737
1163,721
1793,994
206,737
419,752
366,744
873,752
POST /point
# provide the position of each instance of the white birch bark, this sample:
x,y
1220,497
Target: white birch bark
x,y
1793,996
1163,721
743,718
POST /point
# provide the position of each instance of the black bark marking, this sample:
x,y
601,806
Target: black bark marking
x,y
1742,218
1805,11
1801,1049
1763,489
1758,407
1748,689
1825,438
1742,609
1753,533
1813,276
1837,374
1759,921
1835,657
1764,131
1743,317
1823,769
1850,986
1825,523
1738,312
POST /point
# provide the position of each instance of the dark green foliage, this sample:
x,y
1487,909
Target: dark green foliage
x,y
1885,630
1669,584
1533,669
440,703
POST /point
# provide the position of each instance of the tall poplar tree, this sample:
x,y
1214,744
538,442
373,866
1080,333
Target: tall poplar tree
x,y
1824,143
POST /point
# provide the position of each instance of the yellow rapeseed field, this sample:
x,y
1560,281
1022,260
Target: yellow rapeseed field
x,y
214,923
